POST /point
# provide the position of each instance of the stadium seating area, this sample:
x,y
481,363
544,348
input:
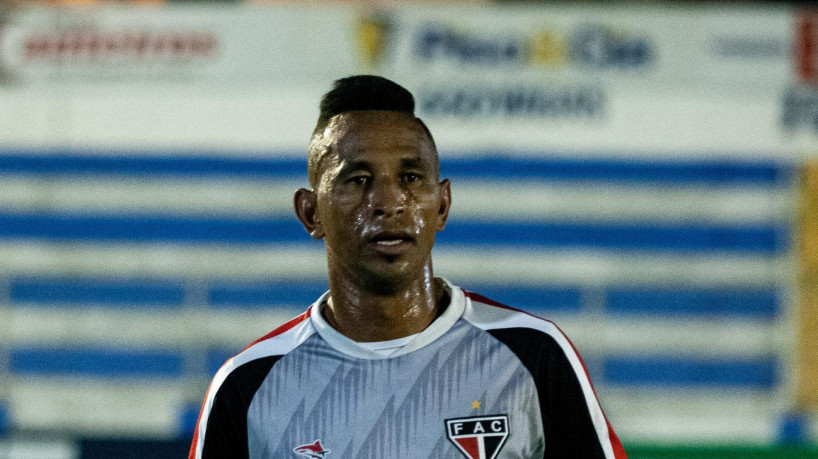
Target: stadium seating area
x,y
705,291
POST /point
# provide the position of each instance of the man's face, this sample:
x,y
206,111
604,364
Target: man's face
x,y
378,202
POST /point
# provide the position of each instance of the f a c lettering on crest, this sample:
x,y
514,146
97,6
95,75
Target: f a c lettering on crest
x,y
478,437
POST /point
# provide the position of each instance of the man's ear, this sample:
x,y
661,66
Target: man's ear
x,y
445,203
305,204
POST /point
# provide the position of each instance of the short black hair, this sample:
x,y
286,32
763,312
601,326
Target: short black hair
x,y
364,92
358,92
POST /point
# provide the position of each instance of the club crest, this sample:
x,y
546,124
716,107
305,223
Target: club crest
x,y
315,450
479,437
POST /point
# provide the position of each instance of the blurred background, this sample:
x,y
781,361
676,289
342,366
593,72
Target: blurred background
x,y
645,174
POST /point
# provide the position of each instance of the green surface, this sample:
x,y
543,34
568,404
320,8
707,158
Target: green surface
x,y
665,452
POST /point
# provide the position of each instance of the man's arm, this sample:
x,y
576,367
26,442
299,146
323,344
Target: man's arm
x,y
221,431
573,423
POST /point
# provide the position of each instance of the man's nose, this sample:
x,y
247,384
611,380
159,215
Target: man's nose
x,y
387,197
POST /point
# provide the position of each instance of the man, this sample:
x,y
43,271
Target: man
x,y
393,362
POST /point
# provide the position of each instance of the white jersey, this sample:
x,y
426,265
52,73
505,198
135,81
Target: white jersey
x,y
483,381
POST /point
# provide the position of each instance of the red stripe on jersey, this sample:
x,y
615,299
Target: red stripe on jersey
x,y
619,451
282,329
193,444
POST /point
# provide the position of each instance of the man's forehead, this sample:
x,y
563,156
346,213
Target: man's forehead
x,y
369,136
378,128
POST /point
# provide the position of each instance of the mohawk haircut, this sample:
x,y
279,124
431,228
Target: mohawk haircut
x,y
364,92
358,92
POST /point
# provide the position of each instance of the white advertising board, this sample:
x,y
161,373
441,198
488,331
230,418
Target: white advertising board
x,y
584,80
702,48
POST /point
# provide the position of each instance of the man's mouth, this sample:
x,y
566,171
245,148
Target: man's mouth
x,y
391,242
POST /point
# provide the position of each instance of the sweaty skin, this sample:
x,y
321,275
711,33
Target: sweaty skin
x,y
378,204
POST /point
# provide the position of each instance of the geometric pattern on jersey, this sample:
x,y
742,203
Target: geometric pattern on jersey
x,y
384,408
306,382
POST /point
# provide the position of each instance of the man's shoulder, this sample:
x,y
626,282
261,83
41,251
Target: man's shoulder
x,y
284,335
272,346
489,314
538,343
520,331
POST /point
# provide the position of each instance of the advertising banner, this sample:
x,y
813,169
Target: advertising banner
x,y
580,80
185,45
292,44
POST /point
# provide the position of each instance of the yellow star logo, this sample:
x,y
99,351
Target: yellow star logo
x,y
475,404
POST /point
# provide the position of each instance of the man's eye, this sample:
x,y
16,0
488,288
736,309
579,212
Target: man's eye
x,y
359,180
411,177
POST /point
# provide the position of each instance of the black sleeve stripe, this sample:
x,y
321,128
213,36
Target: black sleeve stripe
x,y
567,425
226,432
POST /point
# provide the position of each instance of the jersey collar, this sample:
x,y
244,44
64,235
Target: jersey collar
x,y
434,331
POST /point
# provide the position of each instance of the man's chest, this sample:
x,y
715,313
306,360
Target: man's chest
x,y
474,401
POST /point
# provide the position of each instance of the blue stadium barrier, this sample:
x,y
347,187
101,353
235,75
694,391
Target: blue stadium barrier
x,y
116,292
188,416
793,428
150,229
675,371
107,362
135,163
260,295
5,421
504,165
501,165
761,239
756,303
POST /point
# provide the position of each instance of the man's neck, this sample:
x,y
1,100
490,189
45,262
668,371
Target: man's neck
x,y
366,316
